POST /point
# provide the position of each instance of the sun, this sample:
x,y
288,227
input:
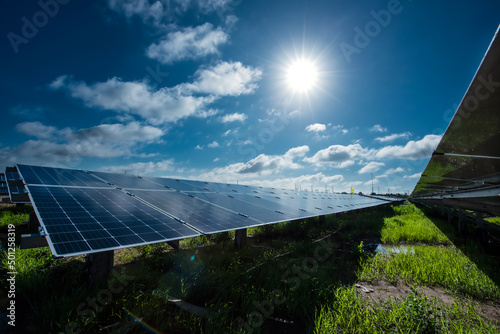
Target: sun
x,y
302,75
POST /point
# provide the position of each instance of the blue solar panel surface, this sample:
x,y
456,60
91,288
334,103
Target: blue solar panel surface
x,y
12,176
58,176
175,184
84,212
128,181
82,220
205,217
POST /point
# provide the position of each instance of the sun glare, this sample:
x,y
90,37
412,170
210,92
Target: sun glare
x,y
302,75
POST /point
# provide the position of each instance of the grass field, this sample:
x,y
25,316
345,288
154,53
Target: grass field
x,y
299,277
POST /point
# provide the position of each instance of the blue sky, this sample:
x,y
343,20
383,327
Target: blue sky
x,y
201,89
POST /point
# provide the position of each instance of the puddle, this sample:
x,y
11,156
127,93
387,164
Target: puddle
x,y
386,249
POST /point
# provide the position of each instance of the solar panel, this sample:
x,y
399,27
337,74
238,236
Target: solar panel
x,y
179,185
464,170
18,194
128,181
2,177
12,176
203,216
85,220
3,189
58,176
86,212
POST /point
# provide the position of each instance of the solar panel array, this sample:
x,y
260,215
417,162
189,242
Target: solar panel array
x,y
12,186
85,212
3,185
464,170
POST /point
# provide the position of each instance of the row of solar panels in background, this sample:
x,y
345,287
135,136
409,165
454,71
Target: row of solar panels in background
x,y
79,178
84,212
12,186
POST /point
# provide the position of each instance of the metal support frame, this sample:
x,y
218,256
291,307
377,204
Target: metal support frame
x,y
99,265
174,244
462,219
240,238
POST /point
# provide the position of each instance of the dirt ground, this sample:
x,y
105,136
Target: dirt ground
x,y
378,291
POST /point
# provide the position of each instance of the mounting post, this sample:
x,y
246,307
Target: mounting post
x,y
99,265
461,223
174,244
240,238
33,220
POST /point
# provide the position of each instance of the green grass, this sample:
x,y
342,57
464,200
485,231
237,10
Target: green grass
x,y
494,220
411,225
414,314
13,216
435,266
281,274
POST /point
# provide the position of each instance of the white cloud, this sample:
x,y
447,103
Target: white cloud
x,y
198,147
160,12
189,43
141,168
213,144
36,129
395,170
136,98
166,104
393,137
236,117
295,152
149,12
352,184
316,127
412,150
371,167
229,132
339,154
261,165
414,176
226,79
318,181
378,128
68,146
340,129
369,183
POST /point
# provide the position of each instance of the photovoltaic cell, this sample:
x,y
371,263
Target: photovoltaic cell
x,y
58,176
204,216
85,220
84,212
175,184
12,176
128,181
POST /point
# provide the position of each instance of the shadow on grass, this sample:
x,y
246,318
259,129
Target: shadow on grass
x,y
483,256
275,284
287,270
